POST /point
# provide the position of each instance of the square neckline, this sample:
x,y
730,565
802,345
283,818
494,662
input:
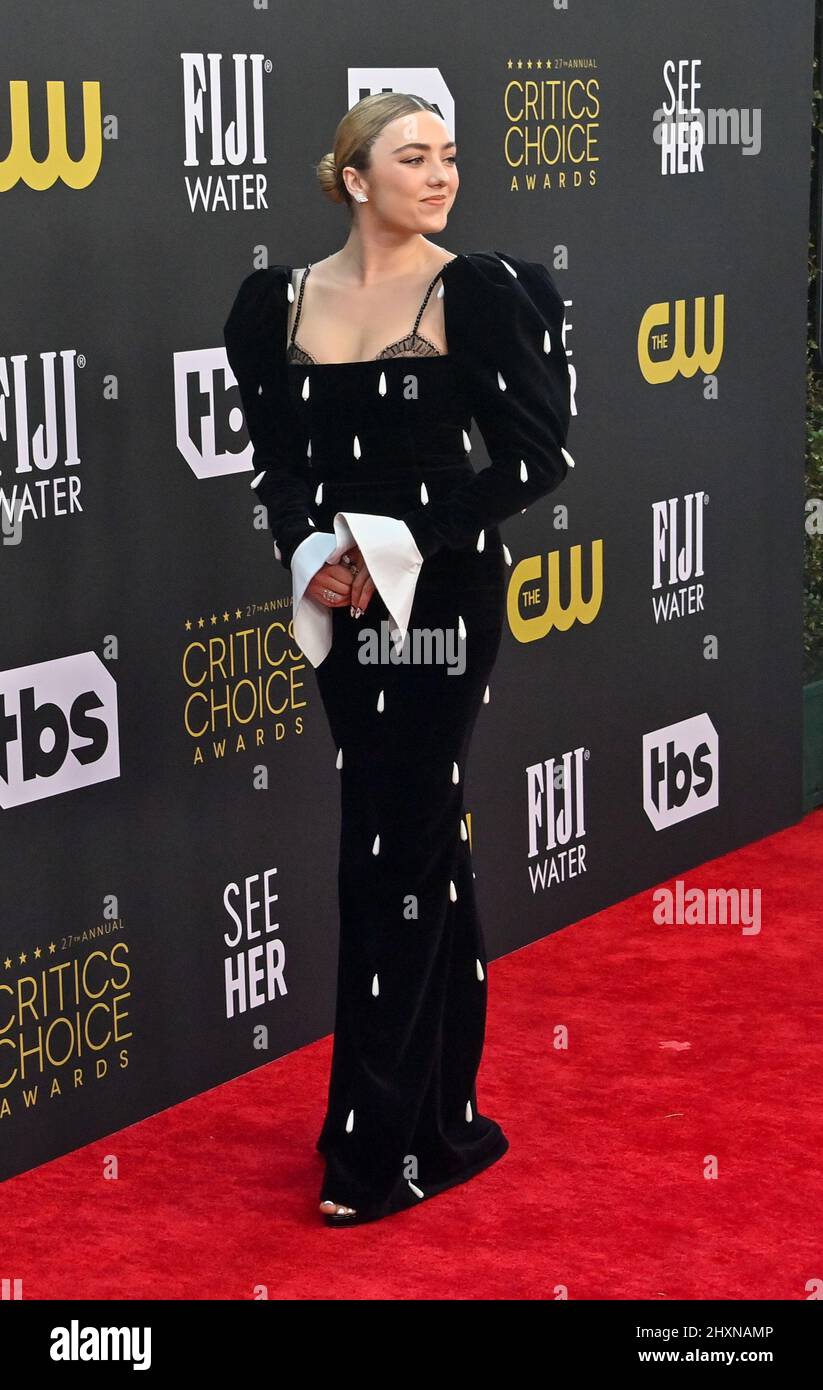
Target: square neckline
x,y
369,361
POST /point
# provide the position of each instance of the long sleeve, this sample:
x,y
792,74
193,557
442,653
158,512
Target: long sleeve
x,y
506,333
255,339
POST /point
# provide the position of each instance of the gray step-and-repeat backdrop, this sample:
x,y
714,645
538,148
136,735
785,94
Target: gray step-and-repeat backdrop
x,y
170,811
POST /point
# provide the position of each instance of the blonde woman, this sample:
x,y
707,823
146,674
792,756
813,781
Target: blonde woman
x,y
360,375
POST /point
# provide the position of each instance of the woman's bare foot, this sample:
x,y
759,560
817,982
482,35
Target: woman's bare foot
x,y
335,1209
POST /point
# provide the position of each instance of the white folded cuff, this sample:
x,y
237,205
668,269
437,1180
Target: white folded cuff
x,y
391,553
311,620
394,562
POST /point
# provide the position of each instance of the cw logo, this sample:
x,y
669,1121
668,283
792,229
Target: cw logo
x,y
655,332
523,594
39,174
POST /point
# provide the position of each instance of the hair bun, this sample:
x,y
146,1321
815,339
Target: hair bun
x,y
327,175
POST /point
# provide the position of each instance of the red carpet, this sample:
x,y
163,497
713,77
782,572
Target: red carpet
x,y
686,1045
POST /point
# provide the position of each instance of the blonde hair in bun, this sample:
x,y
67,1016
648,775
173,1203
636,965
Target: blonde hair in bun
x,y
326,171
355,135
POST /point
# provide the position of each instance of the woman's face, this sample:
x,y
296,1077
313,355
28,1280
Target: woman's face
x,y
412,160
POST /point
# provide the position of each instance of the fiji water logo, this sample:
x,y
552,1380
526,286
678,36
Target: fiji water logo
x,y
556,807
677,556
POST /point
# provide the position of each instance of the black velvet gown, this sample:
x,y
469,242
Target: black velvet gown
x,y
402,1121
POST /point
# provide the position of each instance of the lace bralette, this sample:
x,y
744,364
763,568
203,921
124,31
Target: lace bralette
x,y
413,345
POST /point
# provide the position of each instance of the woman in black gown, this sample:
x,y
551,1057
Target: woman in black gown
x,y
363,466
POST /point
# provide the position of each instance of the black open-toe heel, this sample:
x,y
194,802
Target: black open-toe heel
x,y
347,1217
353,1216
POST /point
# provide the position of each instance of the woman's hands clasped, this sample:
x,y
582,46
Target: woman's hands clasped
x,y
348,581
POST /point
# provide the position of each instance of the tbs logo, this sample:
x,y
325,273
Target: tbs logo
x,y
680,771
58,728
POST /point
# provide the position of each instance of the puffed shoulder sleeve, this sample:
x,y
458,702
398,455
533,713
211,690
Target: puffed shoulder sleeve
x,y
255,339
504,326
